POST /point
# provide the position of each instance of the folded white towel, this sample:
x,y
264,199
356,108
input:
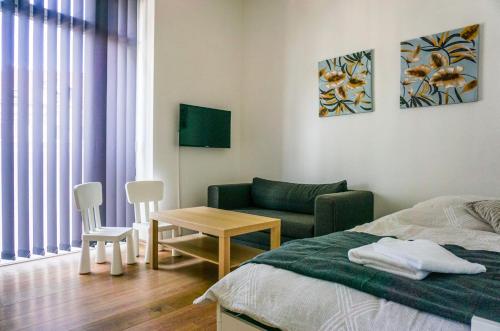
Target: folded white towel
x,y
413,259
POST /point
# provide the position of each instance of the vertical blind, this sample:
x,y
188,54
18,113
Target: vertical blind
x,y
67,112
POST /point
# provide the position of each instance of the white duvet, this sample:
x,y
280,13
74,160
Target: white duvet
x,y
290,301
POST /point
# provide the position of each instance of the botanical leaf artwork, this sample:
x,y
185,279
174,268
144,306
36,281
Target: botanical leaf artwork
x,y
440,69
345,84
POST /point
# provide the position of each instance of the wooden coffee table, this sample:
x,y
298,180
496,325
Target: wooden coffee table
x,y
212,223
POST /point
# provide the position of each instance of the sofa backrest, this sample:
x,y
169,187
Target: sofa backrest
x,y
292,197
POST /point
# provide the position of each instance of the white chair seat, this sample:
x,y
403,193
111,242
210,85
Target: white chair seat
x,y
107,234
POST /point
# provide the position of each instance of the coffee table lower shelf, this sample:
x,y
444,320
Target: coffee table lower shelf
x,y
207,248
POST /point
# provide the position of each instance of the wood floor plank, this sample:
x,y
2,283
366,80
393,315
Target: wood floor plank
x,y
50,295
197,317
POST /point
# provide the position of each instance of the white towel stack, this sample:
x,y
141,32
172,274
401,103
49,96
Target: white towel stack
x,y
414,259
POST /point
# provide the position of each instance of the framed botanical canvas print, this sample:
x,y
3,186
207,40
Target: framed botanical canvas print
x,y
440,69
345,84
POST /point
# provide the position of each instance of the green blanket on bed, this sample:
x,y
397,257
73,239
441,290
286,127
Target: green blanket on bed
x,y
457,297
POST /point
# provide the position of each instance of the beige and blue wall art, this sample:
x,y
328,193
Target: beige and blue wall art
x,y
345,84
440,69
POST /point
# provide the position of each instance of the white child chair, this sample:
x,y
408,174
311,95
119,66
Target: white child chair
x,y
144,192
88,198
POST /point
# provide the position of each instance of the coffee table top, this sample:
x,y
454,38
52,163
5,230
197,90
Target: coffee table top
x,y
217,222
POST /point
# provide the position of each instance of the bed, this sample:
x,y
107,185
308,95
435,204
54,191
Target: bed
x,y
260,296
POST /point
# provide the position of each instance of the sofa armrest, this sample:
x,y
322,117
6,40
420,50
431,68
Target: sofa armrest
x,y
342,211
230,196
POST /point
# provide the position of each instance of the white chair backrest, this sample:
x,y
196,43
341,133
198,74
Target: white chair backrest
x,y
88,198
145,192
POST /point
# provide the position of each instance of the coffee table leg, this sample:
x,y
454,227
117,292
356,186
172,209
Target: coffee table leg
x,y
275,237
153,237
224,256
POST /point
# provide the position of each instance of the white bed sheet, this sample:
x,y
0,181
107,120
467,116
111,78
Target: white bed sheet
x,y
290,301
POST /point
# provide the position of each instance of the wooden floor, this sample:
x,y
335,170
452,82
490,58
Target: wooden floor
x,y
49,294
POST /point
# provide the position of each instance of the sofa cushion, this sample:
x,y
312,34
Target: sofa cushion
x,y
291,197
293,225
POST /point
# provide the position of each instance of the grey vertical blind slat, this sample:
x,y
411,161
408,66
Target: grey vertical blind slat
x,y
37,130
51,133
76,117
7,127
121,112
64,127
131,102
111,113
23,207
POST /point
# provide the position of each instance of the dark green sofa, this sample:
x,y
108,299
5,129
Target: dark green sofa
x,y
305,210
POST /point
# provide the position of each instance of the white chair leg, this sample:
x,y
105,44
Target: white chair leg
x,y
130,249
116,262
176,233
148,249
85,258
100,256
161,236
136,242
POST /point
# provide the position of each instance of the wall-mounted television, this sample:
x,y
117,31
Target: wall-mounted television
x,y
204,127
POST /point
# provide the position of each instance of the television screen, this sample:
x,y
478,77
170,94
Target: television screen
x,y
204,127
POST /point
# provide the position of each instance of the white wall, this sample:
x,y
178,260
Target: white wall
x,y
198,61
403,156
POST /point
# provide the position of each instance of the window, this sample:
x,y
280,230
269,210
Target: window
x,y
67,113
